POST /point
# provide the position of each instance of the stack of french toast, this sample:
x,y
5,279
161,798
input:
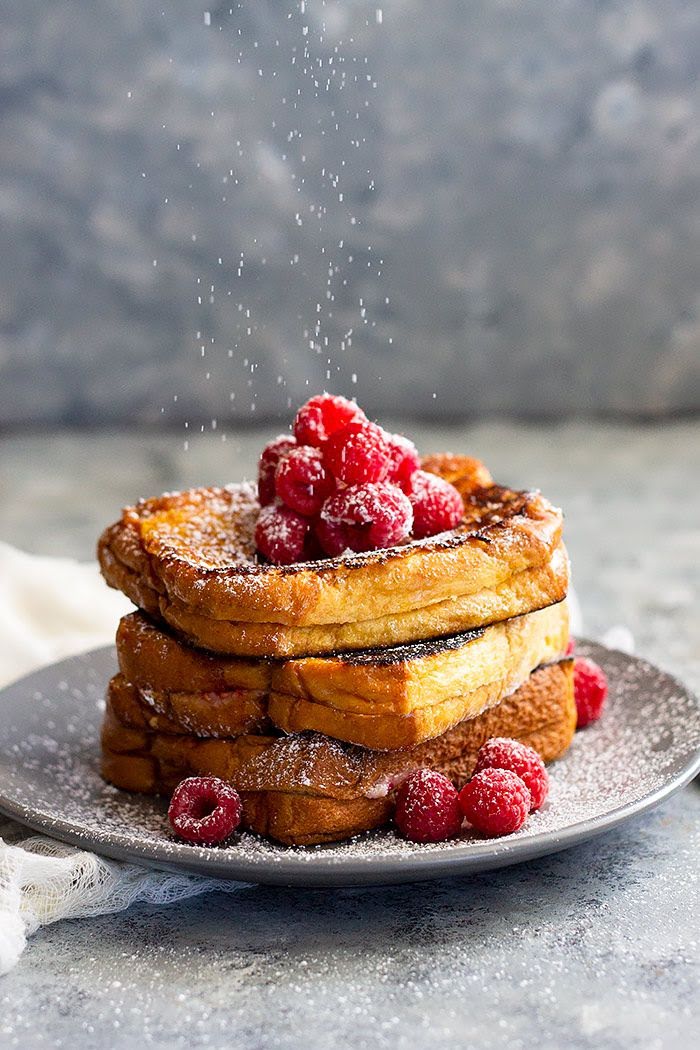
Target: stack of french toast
x,y
314,687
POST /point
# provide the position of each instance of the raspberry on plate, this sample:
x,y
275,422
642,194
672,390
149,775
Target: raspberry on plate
x,y
503,753
204,810
358,453
302,482
321,416
427,807
590,690
280,534
364,518
270,457
437,505
495,802
405,460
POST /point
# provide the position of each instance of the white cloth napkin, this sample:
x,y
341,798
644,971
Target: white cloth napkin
x,y
51,608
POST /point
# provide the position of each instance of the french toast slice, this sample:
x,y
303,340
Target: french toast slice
x,y
189,559
306,788
205,714
386,698
528,590
152,655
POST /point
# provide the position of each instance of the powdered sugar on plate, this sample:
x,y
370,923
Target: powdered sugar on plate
x,y
645,747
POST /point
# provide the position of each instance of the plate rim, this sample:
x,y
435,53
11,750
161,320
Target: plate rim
x,y
298,870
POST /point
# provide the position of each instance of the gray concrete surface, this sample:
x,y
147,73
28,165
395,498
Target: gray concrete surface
x,y
593,948
589,950
498,201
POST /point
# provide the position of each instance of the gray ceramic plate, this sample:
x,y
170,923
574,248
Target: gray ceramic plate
x,y
644,748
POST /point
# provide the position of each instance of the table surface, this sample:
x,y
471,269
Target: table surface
x,y
596,947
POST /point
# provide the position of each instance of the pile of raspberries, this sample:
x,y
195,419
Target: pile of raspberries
x,y
341,483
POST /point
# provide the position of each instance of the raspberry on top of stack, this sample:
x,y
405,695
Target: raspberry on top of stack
x,y
364,613
343,483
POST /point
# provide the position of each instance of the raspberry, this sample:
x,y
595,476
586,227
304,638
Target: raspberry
x,y
590,690
302,482
364,518
313,551
204,810
437,505
267,465
405,460
280,534
358,453
502,753
570,647
495,802
321,416
427,807
332,534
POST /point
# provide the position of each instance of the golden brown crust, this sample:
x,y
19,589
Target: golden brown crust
x,y
306,789
400,679
464,472
302,820
151,656
531,589
225,714
172,755
189,558
383,699
455,686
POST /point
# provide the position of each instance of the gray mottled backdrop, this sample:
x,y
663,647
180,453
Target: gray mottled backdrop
x,y
449,208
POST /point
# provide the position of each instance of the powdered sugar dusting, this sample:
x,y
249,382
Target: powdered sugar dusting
x,y
213,529
217,529
646,742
